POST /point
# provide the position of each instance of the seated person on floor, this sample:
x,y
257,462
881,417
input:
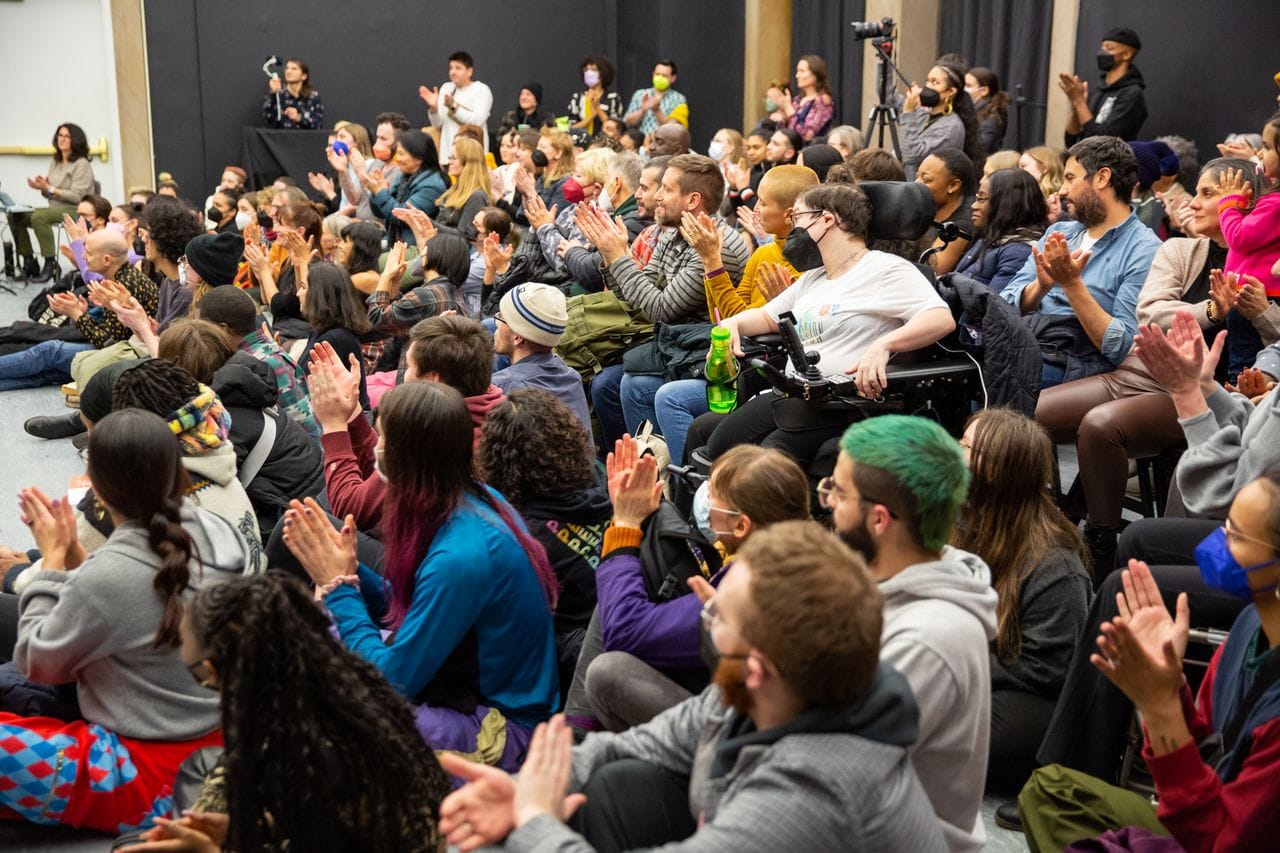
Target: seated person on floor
x,y
1078,292
320,699
645,656
895,497
1214,762
855,307
167,227
468,594
108,621
535,451
393,311
529,325
776,754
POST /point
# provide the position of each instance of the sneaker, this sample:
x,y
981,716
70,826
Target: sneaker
x,y
1008,816
58,426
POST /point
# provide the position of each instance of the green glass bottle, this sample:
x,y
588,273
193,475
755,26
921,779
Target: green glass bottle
x,y
721,373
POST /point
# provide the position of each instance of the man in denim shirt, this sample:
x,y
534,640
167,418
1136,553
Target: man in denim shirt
x,y
1078,292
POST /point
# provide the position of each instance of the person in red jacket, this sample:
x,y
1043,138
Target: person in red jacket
x,y
1215,761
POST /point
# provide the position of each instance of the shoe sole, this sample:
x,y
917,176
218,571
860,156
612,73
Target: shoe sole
x,y
1015,826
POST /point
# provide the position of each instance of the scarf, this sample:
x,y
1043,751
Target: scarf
x,y
202,424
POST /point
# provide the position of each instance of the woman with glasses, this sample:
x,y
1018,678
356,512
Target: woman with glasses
x,y
70,179
855,307
1009,216
639,656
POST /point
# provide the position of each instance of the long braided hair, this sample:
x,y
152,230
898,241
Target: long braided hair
x,y
135,467
322,753
156,385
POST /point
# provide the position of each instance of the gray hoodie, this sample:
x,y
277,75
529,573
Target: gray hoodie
x,y
938,620
96,626
828,780
1228,445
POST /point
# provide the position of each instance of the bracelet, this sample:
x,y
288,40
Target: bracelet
x,y
1209,311
348,580
710,274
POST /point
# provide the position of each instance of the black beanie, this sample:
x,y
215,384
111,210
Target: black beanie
x,y
536,89
1123,35
95,396
216,257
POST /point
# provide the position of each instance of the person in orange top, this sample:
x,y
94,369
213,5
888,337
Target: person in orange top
x,y
673,406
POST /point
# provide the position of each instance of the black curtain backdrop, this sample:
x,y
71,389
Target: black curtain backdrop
x,y
1208,67
822,27
1011,37
205,58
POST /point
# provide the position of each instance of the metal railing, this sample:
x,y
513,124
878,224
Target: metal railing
x,y
99,150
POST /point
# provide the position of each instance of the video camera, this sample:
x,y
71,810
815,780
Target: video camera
x,y
882,28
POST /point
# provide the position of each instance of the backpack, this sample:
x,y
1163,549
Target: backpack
x,y
671,552
601,328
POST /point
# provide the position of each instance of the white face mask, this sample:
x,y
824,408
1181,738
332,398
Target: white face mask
x,y
377,464
715,151
605,200
243,219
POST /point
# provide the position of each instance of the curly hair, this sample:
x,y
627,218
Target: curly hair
x,y
301,713
533,446
156,385
170,225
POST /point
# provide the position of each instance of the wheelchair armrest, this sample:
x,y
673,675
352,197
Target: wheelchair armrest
x,y
924,370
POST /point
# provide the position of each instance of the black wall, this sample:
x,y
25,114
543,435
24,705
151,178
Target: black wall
x,y
205,58
821,27
1208,66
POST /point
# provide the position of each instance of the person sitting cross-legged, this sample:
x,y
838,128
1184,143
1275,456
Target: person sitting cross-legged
x,y
777,754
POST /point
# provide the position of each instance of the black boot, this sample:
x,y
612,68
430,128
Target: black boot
x,y
27,267
1008,816
58,426
10,270
1101,542
45,273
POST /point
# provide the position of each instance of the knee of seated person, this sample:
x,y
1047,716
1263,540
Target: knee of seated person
x,y
1103,423
605,675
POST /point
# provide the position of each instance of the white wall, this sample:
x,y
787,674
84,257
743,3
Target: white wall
x,y
60,68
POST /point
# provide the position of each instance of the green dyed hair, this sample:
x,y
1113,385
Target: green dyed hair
x,y
915,467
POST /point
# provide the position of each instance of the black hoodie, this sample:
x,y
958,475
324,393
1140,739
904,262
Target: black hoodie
x,y
571,527
1118,109
295,467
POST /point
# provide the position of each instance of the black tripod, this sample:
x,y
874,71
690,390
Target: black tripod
x,y
884,115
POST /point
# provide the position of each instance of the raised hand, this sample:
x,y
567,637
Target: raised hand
x,y
700,232
53,526
326,554
322,184
76,229
1232,182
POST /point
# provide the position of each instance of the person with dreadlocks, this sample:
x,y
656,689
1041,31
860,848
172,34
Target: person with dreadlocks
x,y
310,697
468,594
108,621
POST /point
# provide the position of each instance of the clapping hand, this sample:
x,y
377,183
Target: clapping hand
x,y
326,554
1058,263
395,267
194,833
497,255
374,182
701,232
525,185
607,235
76,228
256,258
322,184
292,114
738,175
103,293
1238,148
480,812
430,96
68,304
1254,384
53,526
544,777
449,103
563,247
337,160
535,210
39,182
750,222
334,391
772,279
1141,650
134,316
1252,302
419,223
634,487
1180,213
1177,361
650,101
1073,87
1223,290
298,246
1232,182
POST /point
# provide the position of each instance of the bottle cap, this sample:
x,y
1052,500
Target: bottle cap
x,y
719,333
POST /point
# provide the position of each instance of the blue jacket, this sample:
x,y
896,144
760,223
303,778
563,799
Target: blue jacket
x,y
474,578
997,267
548,372
1118,266
421,188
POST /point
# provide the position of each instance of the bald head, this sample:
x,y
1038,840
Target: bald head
x,y
105,252
671,138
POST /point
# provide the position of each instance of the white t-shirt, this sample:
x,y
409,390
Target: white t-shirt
x,y
840,318
474,103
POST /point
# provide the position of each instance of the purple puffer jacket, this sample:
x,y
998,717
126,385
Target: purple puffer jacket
x,y
665,635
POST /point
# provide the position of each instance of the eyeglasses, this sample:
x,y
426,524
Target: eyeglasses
x,y
982,198
1235,535
498,318
791,216
710,615
829,494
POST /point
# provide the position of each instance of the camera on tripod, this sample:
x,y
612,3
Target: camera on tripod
x,y
882,28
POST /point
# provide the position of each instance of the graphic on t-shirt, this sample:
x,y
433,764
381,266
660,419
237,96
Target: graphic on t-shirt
x,y
585,540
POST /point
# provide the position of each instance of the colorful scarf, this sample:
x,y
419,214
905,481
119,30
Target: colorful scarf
x,y
202,424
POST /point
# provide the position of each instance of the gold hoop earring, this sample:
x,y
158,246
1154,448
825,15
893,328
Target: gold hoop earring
x,y
946,111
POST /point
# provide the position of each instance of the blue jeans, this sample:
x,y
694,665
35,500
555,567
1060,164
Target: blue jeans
x,y
1051,375
46,363
606,401
637,400
676,405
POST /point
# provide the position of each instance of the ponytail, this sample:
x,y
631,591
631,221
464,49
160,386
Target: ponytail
x,y
175,548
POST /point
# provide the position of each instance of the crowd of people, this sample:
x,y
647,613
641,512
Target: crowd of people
x,y
380,507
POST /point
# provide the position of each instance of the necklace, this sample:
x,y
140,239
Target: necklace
x,y
847,261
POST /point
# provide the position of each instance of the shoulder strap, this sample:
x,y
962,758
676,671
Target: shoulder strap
x,y
261,449
1267,676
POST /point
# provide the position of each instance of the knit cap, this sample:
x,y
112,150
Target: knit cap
x,y
536,312
1155,161
216,257
1123,35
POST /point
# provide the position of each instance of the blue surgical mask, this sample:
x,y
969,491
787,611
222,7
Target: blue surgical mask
x,y
1220,570
702,513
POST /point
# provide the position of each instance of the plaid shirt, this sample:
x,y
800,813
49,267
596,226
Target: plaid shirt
x,y
397,316
290,381
101,327
644,244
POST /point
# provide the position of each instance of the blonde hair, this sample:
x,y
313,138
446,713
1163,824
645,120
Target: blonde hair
x,y
786,182
359,136
735,143
563,143
593,164
1006,159
1050,159
474,175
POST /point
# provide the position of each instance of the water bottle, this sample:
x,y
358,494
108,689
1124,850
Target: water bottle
x,y
721,373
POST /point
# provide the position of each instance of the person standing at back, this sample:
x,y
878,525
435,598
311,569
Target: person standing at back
x,y
463,100
1117,107
653,107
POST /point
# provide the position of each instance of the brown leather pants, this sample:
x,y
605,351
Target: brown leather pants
x,y
1111,418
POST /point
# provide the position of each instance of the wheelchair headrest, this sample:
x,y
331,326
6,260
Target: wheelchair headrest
x,y
900,210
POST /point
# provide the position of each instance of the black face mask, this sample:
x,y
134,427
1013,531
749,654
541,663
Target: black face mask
x,y
801,250
929,98
264,221
214,214
139,247
1106,61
